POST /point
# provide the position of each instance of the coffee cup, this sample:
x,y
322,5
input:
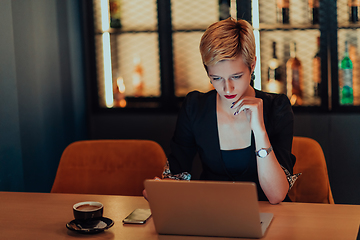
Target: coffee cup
x,y
84,211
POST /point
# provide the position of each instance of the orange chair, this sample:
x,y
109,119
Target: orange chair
x,y
313,185
109,167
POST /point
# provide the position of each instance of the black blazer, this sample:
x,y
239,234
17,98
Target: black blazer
x,y
197,131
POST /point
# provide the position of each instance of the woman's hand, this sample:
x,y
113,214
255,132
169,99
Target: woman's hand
x,y
253,108
144,191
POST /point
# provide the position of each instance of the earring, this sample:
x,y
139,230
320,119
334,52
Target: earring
x,y
252,76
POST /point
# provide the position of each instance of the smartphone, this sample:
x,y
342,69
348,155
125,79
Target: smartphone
x,y
138,216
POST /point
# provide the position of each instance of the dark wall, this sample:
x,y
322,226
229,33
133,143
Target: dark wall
x,y
156,127
11,170
338,134
41,90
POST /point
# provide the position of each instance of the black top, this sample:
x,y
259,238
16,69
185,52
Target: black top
x,y
240,162
197,132
237,162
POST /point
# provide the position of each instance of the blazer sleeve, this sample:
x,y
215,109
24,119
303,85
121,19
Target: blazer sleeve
x,y
183,145
281,131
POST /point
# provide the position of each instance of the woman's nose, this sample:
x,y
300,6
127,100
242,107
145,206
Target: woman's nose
x,y
228,87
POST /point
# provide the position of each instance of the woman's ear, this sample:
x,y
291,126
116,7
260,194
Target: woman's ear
x,y
253,64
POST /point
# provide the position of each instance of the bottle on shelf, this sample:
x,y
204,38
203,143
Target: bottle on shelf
x,y
115,13
137,77
274,76
283,11
353,10
294,81
224,9
346,67
314,6
316,70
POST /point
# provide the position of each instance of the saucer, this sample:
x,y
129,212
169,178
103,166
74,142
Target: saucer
x,y
93,226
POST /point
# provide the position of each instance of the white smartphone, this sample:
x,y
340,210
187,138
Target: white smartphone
x,y
138,216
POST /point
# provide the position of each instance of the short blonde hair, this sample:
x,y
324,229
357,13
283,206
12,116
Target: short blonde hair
x,y
226,40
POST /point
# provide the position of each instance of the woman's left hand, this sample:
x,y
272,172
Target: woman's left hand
x,y
253,108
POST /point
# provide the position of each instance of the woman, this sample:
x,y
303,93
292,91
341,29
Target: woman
x,y
241,134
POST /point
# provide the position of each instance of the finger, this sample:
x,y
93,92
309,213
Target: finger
x,y
238,109
241,109
234,104
144,194
245,107
237,103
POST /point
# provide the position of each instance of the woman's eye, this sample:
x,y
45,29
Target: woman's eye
x,y
237,77
216,78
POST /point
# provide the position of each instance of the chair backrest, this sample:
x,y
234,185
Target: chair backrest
x,y
111,167
313,184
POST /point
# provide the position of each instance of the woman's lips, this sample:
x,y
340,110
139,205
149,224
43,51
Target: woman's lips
x,y
230,96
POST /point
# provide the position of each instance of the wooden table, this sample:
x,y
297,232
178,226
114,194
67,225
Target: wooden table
x,y
44,216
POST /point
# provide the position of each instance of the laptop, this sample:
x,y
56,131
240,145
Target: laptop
x,y
206,208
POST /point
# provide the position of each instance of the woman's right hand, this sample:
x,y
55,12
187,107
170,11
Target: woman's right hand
x,y
144,191
253,108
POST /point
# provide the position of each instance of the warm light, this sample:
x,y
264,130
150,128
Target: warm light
x,y
273,63
137,74
109,97
120,84
122,103
274,86
105,18
137,77
293,99
119,94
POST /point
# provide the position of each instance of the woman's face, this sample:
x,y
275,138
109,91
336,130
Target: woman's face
x,y
231,78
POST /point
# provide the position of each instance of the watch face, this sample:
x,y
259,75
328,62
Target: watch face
x,y
262,153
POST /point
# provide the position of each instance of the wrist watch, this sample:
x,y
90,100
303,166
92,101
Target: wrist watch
x,y
263,152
